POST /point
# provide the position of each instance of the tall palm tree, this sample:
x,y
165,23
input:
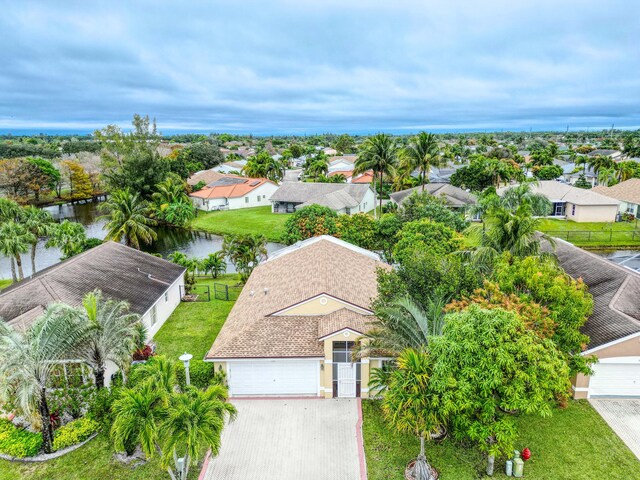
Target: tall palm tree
x,y
128,218
9,210
607,176
109,333
380,154
40,224
523,194
245,252
194,422
28,359
69,237
422,153
599,162
215,264
171,190
15,240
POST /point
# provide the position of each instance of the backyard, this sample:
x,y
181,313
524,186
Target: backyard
x,y
192,327
593,234
258,220
4,284
574,443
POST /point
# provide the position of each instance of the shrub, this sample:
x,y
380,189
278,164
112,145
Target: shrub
x,y
18,442
201,373
74,432
100,407
143,353
310,222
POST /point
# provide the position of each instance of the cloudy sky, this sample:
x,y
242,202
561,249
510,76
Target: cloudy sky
x,y
298,66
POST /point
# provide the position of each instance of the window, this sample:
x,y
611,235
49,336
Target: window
x,y
631,208
166,297
258,198
573,209
154,315
558,209
246,199
347,211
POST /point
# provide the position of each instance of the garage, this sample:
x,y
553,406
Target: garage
x,y
277,377
616,377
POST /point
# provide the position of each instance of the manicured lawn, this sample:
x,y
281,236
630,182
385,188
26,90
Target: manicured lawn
x,y
4,284
593,234
257,220
574,443
193,326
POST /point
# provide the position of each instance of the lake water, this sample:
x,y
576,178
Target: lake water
x,y
195,244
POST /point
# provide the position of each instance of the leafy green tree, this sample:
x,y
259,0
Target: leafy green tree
x,y
78,179
39,223
380,154
69,237
425,236
245,252
171,202
422,153
43,175
28,359
140,171
359,229
423,205
345,144
108,332
129,218
296,150
411,407
215,264
582,182
520,195
205,154
547,172
15,240
487,363
263,165
388,226
483,172
310,221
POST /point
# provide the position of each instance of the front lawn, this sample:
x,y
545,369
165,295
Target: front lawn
x,y
574,443
593,234
258,220
193,326
4,284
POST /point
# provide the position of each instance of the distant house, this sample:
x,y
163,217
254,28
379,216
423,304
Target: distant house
x,y
152,286
206,176
342,163
366,177
627,192
613,327
454,196
344,198
615,155
330,151
574,203
231,192
231,167
571,172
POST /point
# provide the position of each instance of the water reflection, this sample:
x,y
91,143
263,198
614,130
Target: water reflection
x,y
198,244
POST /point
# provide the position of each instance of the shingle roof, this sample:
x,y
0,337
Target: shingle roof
x,y
454,196
341,319
321,265
627,191
615,290
558,191
230,186
122,273
333,195
206,176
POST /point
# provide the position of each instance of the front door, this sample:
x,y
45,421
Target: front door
x,y
347,380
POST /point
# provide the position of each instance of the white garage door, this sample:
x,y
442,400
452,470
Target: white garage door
x,y
616,377
274,377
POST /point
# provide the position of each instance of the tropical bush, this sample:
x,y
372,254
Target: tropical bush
x,y
425,236
310,222
201,374
75,432
18,442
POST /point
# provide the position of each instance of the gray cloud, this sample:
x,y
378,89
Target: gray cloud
x,y
290,66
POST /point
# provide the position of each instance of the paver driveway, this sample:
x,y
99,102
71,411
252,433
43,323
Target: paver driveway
x,y
289,439
623,416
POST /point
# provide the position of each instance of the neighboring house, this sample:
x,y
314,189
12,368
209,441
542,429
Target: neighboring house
x,y
206,176
571,172
342,163
330,151
231,167
348,174
615,155
574,203
627,192
344,198
440,174
297,320
366,177
152,286
455,197
231,192
613,327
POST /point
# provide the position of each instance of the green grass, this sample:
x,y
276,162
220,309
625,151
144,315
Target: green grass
x,y
4,284
574,443
593,234
193,326
258,220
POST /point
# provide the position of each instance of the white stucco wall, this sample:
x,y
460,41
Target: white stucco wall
x,y
591,213
164,308
256,198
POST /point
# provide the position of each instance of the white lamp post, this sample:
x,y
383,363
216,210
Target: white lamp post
x,y
186,358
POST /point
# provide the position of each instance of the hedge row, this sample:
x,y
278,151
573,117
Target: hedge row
x,y
74,432
18,442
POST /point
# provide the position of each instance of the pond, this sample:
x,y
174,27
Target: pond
x,y
196,244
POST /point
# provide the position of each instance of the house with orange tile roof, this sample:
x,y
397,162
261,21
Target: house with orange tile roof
x,y
231,192
293,329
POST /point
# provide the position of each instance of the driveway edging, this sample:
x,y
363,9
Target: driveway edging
x,y
360,440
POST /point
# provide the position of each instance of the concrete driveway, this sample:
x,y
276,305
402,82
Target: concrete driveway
x,y
623,416
290,439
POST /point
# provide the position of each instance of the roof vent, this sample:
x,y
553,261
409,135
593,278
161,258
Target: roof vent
x,y
251,293
266,290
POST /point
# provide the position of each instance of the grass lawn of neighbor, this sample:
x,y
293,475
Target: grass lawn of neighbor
x,y
192,327
258,220
574,443
4,284
593,234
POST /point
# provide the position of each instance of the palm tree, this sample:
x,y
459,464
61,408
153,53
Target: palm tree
x,y
27,361
409,406
600,161
161,372
9,210
128,217
15,240
422,154
245,252
39,223
108,332
318,168
215,264
380,154
194,422
69,237
607,176
171,190
402,323
523,194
